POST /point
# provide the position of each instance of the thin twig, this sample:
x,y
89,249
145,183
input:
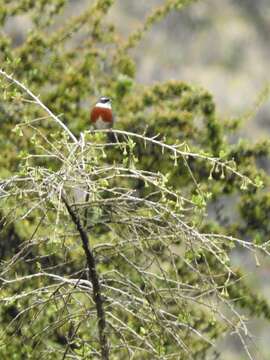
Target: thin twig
x,y
40,103
184,154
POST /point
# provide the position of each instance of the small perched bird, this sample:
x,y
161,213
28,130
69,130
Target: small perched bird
x,y
101,115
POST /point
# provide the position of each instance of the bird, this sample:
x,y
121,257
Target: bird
x,y
101,116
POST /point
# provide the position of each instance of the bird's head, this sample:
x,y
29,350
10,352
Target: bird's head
x,y
104,102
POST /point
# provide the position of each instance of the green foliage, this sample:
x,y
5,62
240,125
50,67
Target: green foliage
x,y
164,263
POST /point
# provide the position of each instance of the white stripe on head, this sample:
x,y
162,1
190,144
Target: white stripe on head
x,y
106,105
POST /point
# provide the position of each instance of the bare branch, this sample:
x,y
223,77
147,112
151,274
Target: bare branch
x,y
94,278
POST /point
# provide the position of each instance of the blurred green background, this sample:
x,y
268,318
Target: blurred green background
x,y
224,47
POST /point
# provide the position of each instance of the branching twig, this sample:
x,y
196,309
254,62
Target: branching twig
x,y
40,103
216,161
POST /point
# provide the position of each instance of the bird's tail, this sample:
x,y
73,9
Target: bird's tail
x,y
112,137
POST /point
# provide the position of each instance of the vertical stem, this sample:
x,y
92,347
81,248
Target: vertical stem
x,y
94,278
